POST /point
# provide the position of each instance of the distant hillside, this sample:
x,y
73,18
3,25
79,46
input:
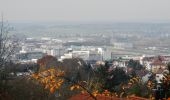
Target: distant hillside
x,y
58,29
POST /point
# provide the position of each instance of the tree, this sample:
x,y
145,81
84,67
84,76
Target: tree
x,y
56,81
165,85
22,88
7,46
168,67
110,79
134,64
47,62
75,68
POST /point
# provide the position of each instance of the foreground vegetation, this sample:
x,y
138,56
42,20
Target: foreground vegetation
x,y
55,80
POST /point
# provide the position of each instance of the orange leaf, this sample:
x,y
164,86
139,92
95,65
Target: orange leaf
x,y
52,90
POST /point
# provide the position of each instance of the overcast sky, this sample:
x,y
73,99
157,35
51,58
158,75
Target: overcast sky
x,y
86,10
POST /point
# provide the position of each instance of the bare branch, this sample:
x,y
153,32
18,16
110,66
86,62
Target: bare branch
x,y
7,46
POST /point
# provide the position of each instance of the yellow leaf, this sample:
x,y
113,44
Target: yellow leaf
x,y
121,94
77,87
47,86
72,88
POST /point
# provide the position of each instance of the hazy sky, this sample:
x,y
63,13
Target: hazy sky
x,y
86,10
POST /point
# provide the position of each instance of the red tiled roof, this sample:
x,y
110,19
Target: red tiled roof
x,y
159,71
87,97
158,60
136,98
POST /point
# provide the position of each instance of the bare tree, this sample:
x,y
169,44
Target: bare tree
x,y
7,46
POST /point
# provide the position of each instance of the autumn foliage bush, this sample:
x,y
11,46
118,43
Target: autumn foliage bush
x,y
22,88
62,83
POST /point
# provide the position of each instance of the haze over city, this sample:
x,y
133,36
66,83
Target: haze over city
x,y
84,50
86,10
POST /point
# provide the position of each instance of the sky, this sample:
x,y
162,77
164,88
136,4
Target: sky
x,y
86,10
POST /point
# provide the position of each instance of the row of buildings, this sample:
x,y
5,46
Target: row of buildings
x,y
33,49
